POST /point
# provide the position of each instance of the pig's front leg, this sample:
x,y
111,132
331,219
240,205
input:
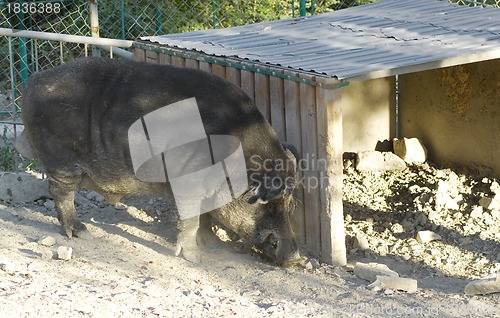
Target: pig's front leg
x,y
186,240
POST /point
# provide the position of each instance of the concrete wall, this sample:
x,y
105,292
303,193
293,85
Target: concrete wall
x,y
368,110
456,112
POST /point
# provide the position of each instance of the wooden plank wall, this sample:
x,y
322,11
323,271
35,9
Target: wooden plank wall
x,y
296,114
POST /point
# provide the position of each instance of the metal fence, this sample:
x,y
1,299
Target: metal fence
x,y
124,19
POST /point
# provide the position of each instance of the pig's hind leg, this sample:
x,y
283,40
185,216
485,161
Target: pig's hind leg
x,y
62,187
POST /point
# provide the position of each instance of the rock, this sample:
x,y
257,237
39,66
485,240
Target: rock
x,y
411,150
254,292
490,203
315,263
82,201
64,252
120,206
378,161
383,250
488,219
49,204
443,197
22,187
47,241
477,212
495,187
427,236
92,195
388,292
397,228
370,271
398,283
433,252
361,242
312,264
47,253
483,286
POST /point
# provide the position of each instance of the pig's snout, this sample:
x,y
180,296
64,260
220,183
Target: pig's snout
x,y
280,250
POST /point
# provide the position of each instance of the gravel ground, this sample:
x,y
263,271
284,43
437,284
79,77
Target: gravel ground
x,y
129,268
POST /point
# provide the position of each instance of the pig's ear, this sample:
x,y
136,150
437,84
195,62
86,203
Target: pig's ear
x,y
257,192
261,192
292,153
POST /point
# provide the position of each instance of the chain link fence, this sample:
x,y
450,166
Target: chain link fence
x,y
125,19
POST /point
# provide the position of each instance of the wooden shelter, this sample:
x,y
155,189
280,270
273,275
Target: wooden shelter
x,y
327,84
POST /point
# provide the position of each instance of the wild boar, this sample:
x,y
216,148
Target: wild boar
x,y
78,119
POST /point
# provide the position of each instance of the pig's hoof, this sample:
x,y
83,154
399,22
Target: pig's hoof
x,y
191,254
78,230
84,234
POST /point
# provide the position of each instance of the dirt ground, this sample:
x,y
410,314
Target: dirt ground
x,y
129,268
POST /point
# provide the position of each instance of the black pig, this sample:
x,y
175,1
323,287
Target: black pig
x,y
76,119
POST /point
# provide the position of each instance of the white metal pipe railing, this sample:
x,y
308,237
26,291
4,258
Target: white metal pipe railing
x,y
105,43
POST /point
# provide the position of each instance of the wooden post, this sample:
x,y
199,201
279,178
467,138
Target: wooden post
x,y
294,137
308,118
277,92
178,61
139,55
329,120
152,57
262,98
165,59
219,70
206,67
233,75
190,63
248,83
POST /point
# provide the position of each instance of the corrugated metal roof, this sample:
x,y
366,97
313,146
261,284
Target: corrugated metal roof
x,y
375,40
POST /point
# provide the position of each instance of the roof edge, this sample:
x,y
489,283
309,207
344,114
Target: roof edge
x,y
309,78
430,65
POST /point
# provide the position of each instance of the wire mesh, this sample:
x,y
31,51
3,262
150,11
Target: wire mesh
x,y
126,19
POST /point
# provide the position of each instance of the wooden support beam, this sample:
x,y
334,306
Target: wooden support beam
x,y
262,97
139,55
152,57
277,100
308,166
294,137
329,119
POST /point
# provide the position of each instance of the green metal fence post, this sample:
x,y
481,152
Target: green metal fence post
x,y
302,9
159,20
214,15
122,18
23,52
